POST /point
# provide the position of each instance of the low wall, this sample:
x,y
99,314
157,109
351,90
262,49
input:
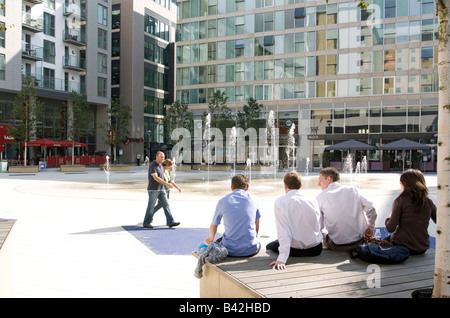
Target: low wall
x,y
6,227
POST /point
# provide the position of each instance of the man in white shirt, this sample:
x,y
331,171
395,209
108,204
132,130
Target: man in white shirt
x,y
297,222
346,214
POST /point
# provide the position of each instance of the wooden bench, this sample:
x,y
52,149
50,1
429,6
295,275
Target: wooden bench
x,y
331,274
6,227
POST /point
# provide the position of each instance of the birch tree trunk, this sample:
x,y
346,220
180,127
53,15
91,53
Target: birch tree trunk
x,y
442,262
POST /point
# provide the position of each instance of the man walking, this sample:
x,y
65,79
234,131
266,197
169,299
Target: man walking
x,y
156,192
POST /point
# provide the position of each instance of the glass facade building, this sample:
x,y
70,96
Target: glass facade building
x,y
335,71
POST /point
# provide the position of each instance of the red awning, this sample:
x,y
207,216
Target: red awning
x,y
42,143
69,143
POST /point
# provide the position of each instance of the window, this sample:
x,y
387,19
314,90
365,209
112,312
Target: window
x,y
239,25
428,6
389,33
49,78
102,63
332,39
50,4
366,62
2,67
366,36
332,13
427,57
401,62
49,24
2,34
101,87
389,8
116,17
268,21
299,15
115,45
115,72
49,52
377,35
389,60
102,39
299,67
102,15
427,30
414,31
388,85
402,32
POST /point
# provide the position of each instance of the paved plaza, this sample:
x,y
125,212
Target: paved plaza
x,y
70,238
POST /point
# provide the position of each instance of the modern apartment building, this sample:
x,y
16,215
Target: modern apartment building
x,y
335,71
64,46
143,36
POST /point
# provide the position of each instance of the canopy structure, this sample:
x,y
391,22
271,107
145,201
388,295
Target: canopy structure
x,y
70,143
351,144
404,144
43,143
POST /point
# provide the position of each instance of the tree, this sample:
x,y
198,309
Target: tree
x,y
251,114
178,115
442,260
442,263
117,126
27,113
78,119
221,115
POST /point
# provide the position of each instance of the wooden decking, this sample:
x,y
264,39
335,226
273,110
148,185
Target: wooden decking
x,y
6,227
331,274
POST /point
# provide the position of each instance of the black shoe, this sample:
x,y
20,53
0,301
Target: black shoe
x,y
174,224
149,226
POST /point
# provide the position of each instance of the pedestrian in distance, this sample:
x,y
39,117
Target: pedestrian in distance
x,y
156,192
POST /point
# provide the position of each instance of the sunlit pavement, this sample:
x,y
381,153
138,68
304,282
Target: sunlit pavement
x,y
69,239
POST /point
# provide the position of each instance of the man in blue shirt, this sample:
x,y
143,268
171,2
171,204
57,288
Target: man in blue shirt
x,y
240,214
156,192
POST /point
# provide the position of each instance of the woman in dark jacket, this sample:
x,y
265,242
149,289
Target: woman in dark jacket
x,y
411,213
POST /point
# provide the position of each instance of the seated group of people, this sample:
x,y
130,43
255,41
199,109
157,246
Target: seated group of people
x,y
339,218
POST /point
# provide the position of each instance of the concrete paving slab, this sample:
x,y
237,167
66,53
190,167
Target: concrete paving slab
x,y
70,242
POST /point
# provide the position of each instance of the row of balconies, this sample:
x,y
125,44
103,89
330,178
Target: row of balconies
x,y
58,84
36,53
33,24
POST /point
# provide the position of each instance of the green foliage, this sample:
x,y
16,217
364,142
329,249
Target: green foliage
x,y
27,113
117,126
221,116
80,117
251,115
178,115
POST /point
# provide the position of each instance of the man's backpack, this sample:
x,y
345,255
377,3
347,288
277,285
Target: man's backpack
x,y
377,254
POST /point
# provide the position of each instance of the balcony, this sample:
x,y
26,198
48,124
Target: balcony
x,y
32,52
56,84
74,63
75,37
74,10
31,24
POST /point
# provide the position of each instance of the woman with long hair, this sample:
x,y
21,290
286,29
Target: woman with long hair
x,y
411,213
